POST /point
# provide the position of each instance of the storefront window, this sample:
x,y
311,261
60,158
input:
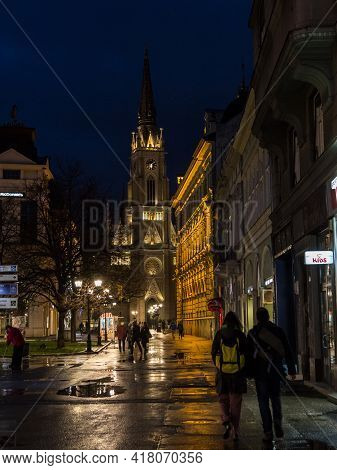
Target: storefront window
x,y
328,305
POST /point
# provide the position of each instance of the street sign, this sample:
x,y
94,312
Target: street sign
x,y
215,305
9,289
8,277
8,302
318,257
11,268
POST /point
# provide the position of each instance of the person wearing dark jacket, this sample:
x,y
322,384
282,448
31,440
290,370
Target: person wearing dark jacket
x,y
228,354
136,337
145,336
269,349
14,337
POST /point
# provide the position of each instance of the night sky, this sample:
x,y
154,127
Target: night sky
x,y
196,49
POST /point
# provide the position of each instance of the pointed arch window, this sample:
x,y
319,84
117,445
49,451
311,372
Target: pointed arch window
x,y
151,191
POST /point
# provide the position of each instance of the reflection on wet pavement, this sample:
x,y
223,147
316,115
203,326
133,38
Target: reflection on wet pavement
x,y
166,401
93,389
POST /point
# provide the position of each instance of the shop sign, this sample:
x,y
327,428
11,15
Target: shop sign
x,y
8,277
8,302
11,194
215,305
9,289
268,281
11,268
318,257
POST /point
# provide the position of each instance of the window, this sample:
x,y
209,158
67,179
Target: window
x,y
121,259
152,215
28,221
318,125
294,154
11,174
151,191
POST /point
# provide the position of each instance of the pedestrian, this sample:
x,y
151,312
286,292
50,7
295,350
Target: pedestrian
x,y
136,337
163,326
229,356
181,330
121,336
268,349
81,328
145,336
173,328
15,337
129,336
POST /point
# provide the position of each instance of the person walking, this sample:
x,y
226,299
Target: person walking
x,y
269,349
121,336
136,337
145,336
163,326
229,356
173,328
181,330
14,337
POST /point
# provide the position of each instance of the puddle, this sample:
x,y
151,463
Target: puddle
x,y
10,392
93,389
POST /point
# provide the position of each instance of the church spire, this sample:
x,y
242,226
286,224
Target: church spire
x,y
147,111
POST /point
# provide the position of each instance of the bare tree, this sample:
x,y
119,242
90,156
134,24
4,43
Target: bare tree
x,y
50,261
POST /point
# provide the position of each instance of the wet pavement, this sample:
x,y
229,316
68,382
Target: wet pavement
x,y
165,401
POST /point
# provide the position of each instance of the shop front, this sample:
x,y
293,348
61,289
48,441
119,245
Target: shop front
x,y
108,325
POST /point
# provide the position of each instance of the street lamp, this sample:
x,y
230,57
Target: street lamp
x,y
89,292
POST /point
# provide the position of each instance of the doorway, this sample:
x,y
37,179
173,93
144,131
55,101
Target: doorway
x,y
285,311
250,312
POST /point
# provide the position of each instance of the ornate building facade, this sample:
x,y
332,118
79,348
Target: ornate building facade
x,y
195,268
148,215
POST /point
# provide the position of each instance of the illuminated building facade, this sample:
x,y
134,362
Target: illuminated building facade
x,y
20,167
148,215
195,267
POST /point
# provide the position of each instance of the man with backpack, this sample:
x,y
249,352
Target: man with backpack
x,y
228,354
14,337
269,349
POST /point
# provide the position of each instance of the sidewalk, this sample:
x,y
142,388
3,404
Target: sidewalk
x,y
164,401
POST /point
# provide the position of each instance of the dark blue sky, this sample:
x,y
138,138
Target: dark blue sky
x,y
195,48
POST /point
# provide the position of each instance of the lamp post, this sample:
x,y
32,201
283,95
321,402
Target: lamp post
x,y
98,283
89,292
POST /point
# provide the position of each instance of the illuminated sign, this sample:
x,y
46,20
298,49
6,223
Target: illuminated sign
x,y
9,194
11,268
9,289
8,302
318,257
268,281
8,277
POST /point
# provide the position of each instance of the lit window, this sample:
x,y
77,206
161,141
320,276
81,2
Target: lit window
x,y
152,215
121,259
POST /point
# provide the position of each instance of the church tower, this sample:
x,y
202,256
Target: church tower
x,y
149,214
